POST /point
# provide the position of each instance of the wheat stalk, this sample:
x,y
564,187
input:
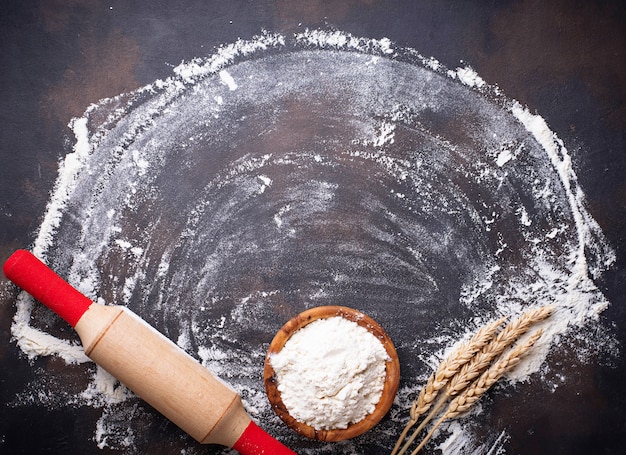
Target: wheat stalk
x,y
478,388
467,373
461,368
446,370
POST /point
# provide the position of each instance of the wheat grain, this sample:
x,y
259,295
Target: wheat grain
x,y
451,366
461,368
438,380
472,393
502,340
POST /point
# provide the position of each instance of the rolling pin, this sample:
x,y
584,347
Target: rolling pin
x,y
147,362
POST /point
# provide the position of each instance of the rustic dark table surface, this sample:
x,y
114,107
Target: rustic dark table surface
x,y
564,60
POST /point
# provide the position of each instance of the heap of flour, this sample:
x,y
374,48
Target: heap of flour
x,y
330,373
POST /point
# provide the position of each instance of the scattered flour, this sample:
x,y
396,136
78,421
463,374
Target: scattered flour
x,y
468,76
206,222
228,80
331,373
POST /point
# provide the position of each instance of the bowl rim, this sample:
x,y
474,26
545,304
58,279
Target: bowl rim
x,y
390,388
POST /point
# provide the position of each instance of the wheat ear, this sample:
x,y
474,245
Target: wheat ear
x,y
481,360
446,370
451,366
473,393
502,340
467,373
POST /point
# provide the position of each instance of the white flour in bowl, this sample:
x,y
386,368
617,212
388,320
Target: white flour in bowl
x,y
330,373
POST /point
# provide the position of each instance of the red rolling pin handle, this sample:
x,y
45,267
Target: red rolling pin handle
x,y
36,278
254,441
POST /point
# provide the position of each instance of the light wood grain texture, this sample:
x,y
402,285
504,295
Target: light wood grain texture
x,y
162,374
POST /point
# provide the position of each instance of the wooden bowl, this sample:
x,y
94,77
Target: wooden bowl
x,y
392,378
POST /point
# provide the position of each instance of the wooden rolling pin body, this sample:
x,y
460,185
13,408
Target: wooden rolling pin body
x,y
162,374
148,363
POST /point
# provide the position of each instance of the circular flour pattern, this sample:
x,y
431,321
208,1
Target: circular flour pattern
x,y
289,172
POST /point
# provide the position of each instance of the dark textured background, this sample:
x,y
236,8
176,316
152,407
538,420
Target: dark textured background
x,y
562,58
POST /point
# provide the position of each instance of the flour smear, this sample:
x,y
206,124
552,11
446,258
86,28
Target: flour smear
x,y
283,173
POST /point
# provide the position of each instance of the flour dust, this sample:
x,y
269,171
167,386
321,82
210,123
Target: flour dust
x,y
283,173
